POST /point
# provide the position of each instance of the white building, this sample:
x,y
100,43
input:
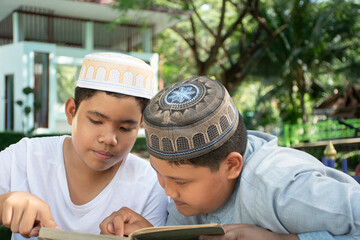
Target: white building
x,y
42,43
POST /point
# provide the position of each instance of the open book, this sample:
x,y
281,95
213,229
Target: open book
x,y
185,232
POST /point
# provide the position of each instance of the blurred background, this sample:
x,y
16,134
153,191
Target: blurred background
x,y
291,66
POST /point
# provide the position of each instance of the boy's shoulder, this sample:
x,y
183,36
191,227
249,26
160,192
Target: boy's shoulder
x,y
48,138
33,153
38,143
137,166
134,161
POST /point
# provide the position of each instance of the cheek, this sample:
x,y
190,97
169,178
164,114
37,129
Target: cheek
x,y
128,139
81,139
84,134
76,129
200,195
81,126
160,180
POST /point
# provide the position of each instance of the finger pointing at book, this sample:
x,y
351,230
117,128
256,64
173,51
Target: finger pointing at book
x,y
25,213
123,222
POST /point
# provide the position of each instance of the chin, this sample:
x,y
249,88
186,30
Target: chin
x,y
188,212
99,167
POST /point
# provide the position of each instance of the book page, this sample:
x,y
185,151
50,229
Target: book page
x,y
187,232
57,234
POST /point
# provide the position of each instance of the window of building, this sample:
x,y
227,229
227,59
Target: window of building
x,y
9,102
41,90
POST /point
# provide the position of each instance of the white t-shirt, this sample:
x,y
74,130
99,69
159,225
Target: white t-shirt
x,y
37,166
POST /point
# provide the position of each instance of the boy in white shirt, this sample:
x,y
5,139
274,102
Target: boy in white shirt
x,y
74,182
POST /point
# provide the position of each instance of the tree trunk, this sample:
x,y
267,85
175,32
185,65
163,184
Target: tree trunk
x,y
303,110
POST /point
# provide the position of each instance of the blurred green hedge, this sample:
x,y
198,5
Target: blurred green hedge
x,y
5,233
8,138
140,145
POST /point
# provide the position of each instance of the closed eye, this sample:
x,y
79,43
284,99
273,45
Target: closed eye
x,y
125,129
180,183
94,121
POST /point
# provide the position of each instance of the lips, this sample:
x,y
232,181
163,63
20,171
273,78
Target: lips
x,y
178,203
103,155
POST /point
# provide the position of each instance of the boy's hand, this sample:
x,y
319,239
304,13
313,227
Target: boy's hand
x,y
249,232
25,213
123,222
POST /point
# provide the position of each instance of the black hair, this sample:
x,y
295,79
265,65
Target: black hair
x,y
82,94
236,143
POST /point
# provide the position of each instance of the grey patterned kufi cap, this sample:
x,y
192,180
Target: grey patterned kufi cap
x,y
189,118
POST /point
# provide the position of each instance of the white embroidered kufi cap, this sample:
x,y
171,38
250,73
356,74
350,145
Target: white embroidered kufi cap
x,y
116,72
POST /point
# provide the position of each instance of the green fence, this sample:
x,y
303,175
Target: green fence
x,y
295,134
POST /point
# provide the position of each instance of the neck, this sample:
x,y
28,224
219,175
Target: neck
x,y
84,183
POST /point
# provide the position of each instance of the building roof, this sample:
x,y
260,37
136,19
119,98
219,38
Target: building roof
x,y
341,105
97,10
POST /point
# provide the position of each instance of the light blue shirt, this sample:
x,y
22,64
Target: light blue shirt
x,y
287,191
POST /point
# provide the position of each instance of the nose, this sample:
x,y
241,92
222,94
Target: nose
x,y
170,189
108,137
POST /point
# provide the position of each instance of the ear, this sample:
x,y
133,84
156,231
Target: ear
x,y
234,163
70,110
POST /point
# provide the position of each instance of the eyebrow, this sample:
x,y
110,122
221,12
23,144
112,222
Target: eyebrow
x,y
98,114
173,178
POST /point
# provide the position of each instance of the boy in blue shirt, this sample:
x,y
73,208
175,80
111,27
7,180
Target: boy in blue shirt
x,y
215,171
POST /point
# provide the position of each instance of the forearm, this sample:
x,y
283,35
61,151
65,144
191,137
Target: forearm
x,y
337,213
325,236
288,237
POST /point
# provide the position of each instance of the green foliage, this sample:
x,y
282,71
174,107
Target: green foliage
x,y
298,50
134,4
8,138
26,110
123,6
20,103
312,55
140,145
5,233
66,80
148,4
28,90
222,38
257,113
175,58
